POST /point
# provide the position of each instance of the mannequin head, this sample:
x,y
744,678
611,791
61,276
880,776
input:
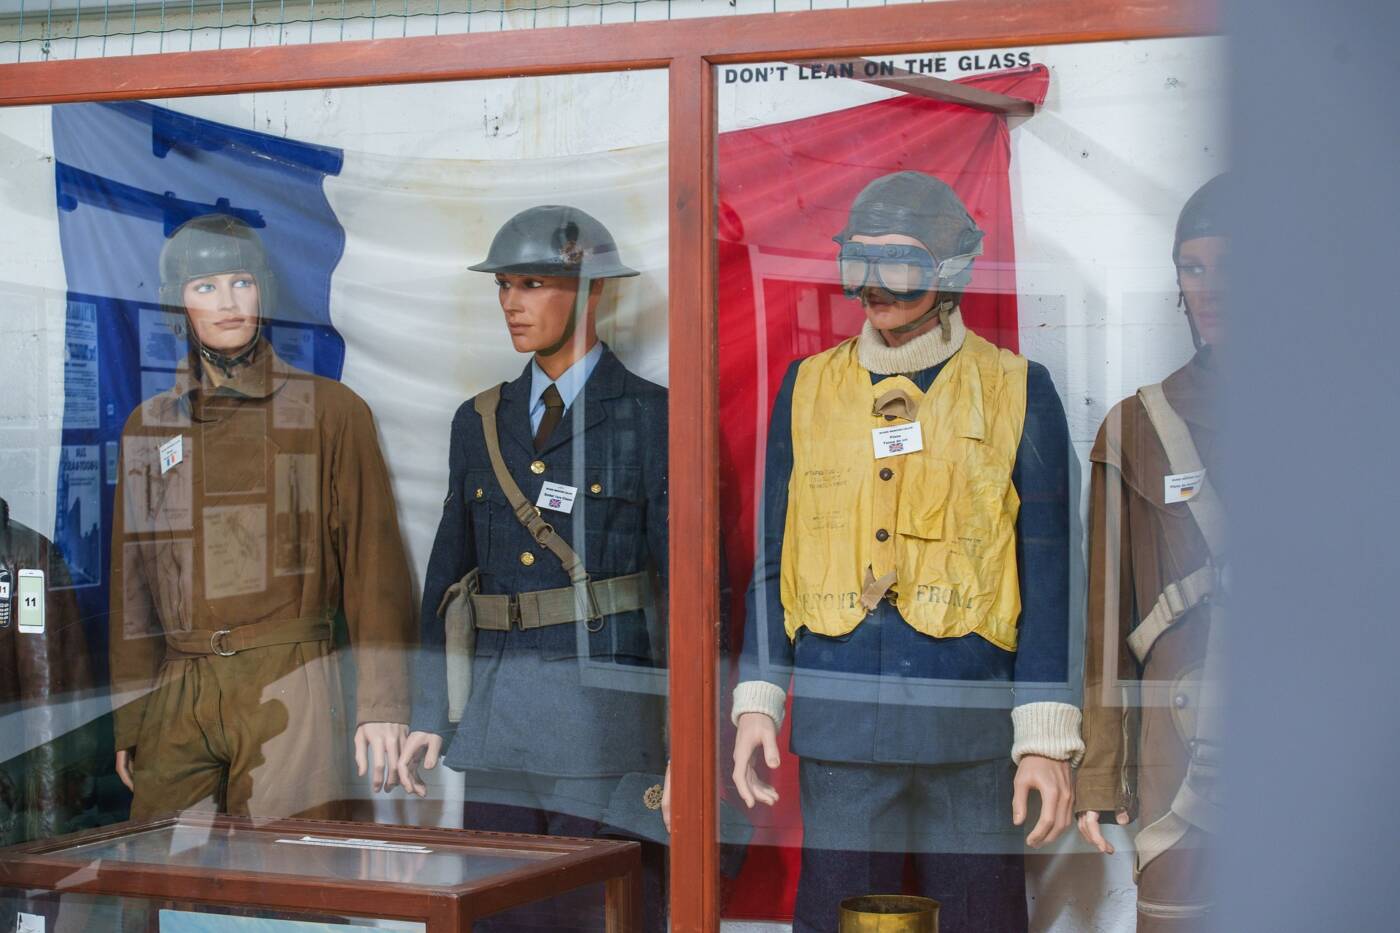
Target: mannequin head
x,y
214,268
550,263
1201,253
906,253
223,310
539,310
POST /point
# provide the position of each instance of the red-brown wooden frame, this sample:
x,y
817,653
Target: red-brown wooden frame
x,y
688,48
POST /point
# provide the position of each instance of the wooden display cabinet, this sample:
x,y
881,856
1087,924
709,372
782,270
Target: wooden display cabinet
x,y
433,880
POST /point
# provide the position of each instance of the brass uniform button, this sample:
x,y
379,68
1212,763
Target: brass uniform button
x,y
480,493
596,488
652,797
885,474
537,467
882,535
527,558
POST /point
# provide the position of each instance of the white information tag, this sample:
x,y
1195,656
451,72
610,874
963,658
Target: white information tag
x,y
1182,487
171,453
898,439
31,602
557,497
30,923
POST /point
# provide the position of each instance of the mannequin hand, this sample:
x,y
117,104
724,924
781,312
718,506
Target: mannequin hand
x,y
1051,779
380,741
666,798
1089,829
429,746
126,760
755,729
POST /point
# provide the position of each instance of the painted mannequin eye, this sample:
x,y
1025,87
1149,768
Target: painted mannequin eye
x,y
246,281
203,288
533,283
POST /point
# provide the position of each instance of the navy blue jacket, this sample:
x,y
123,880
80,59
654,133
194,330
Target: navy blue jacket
x,y
886,693
557,700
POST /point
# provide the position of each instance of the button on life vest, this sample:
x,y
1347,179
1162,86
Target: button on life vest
x,y
939,522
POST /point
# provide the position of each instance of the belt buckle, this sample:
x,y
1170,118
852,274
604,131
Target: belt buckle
x,y
595,614
513,619
215,640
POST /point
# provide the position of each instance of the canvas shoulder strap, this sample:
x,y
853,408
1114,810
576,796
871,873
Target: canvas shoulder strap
x,y
1180,596
525,512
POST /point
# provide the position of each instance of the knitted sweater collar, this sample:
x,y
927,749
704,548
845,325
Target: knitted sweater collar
x,y
923,352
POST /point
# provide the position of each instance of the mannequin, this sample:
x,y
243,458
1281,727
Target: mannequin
x,y
929,592
557,587
254,505
1146,537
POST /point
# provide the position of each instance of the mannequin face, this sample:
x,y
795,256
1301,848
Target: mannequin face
x,y
1200,272
537,309
223,309
883,310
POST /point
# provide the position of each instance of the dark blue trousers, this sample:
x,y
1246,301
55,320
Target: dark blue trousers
x,y
862,823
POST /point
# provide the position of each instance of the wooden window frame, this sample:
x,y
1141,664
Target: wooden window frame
x,y
688,49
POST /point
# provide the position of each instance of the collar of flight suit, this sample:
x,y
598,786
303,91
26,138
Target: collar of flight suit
x,y
261,378
606,382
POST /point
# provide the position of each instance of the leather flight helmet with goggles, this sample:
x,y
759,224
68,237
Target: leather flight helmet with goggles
x,y
215,244
919,206
557,240
1205,214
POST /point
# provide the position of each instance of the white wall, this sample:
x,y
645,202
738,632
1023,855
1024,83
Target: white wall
x,y
1128,132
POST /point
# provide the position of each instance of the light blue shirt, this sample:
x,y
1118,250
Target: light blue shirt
x,y
570,383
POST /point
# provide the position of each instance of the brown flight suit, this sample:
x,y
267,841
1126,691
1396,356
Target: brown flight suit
x,y
278,515
1135,759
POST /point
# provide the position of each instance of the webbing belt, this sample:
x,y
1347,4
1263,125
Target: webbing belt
x,y
229,641
584,603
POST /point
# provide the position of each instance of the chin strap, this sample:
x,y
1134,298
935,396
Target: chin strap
x,y
1190,321
941,309
585,285
227,362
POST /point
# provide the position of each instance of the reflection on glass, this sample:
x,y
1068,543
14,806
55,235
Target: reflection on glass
x,y
915,282
238,341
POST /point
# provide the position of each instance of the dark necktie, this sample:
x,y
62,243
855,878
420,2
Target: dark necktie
x,y
553,414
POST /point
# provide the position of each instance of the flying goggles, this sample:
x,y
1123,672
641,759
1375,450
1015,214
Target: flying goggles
x,y
907,272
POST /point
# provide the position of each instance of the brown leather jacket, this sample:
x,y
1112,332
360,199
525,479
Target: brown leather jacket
x,y
279,508
47,773
1134,758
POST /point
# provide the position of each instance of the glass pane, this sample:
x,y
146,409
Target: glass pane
x,y
336,435
917,455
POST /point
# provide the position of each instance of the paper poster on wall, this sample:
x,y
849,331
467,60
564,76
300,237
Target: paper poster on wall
x,y
154,500
162,335
296,529
182,921
296,346
80,378
235,550
79,525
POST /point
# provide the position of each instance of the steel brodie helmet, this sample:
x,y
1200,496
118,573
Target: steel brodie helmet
x,y
555,239
918,206
213,244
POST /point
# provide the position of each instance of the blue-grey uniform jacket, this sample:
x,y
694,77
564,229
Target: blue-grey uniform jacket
x,y
558,700
886,693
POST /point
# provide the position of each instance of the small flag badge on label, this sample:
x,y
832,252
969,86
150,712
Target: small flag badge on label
x,y
557,497
172,452
1182,487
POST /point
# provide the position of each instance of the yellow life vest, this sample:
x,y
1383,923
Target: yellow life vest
x,y
940,523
